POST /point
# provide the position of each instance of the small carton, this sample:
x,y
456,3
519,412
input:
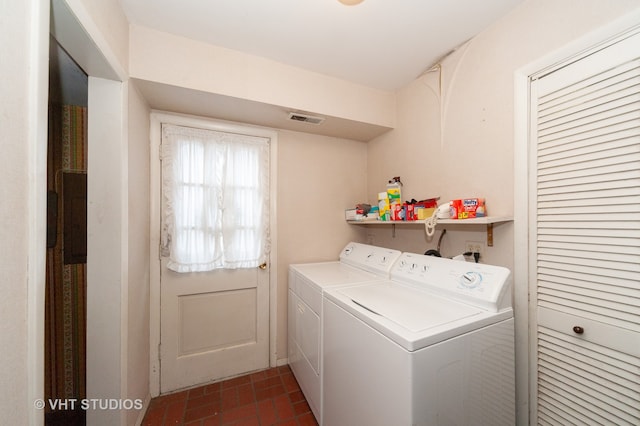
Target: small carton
x,y
423,213
384,212
424,208
409,212
468,208
353,214
397,212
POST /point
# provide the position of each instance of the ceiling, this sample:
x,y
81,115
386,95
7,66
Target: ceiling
x,y
382,44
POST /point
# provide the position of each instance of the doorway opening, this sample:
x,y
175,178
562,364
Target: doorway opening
x,y
66,261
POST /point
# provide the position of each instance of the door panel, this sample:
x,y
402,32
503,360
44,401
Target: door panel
x,y
213,324
586,263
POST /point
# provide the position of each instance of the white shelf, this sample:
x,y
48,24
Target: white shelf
x,y
488,221
475,221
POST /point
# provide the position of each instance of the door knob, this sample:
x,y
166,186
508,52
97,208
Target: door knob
x,y
578,330
263,266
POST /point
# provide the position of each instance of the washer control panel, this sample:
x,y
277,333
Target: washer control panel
x,y
481,285
368,257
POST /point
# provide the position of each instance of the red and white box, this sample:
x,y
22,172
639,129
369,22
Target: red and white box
x,y
468,208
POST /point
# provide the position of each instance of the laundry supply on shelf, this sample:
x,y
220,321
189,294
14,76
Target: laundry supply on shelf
x,y
468,208
362,211
384,212
394,191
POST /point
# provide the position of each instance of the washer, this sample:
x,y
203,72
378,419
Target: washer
x,y
358,263
432,345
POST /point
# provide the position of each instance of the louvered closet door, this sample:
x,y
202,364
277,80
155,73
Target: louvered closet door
x,y
586,245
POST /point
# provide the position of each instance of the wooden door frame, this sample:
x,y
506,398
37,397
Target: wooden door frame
x,y
157,118
524,243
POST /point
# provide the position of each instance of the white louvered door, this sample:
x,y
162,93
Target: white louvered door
x,y
585,245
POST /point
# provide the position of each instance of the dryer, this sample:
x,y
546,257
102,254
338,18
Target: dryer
x,y
358,263
432,345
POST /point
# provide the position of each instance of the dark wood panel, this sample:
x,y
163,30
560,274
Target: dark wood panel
x,y
75,218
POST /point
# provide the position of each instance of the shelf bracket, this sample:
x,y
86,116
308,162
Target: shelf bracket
x,y
489,234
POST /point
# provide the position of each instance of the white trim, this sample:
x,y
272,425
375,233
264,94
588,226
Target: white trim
x,y
106,227
157,118
143,410
273,258
154,255
525,315
37,196
521,242
124,247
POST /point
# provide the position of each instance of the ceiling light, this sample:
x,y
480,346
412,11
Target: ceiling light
x,y
350,2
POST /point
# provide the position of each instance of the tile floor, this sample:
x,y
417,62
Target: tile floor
x,y
268,397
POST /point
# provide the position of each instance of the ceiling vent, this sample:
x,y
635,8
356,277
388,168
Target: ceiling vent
x,y
304,118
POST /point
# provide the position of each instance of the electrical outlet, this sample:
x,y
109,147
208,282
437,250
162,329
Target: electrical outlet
x,y
475,247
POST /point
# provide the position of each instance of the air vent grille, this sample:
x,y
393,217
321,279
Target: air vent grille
x,y
304,118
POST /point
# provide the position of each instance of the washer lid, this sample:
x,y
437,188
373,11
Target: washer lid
x,y
325,274
412,310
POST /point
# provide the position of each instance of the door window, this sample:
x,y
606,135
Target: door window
x,y
216,187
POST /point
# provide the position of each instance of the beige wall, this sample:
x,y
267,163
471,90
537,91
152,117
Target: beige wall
x,y
137,324
458,142
165,58
466,141
318,177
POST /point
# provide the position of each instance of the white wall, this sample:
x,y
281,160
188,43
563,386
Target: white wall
x,y
164,58
469,151
459,143
22,243
137,289
318,177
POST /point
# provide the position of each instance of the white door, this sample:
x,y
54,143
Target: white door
x,y
214,323
585,239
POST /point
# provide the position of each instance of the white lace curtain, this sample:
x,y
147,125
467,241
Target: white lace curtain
x,y
216,189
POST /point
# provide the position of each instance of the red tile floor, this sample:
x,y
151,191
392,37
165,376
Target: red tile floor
x,y
268,397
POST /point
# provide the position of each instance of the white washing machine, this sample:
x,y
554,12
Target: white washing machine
x,y
358,263
433,345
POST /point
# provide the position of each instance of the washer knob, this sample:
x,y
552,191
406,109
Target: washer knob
x,y
470,279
